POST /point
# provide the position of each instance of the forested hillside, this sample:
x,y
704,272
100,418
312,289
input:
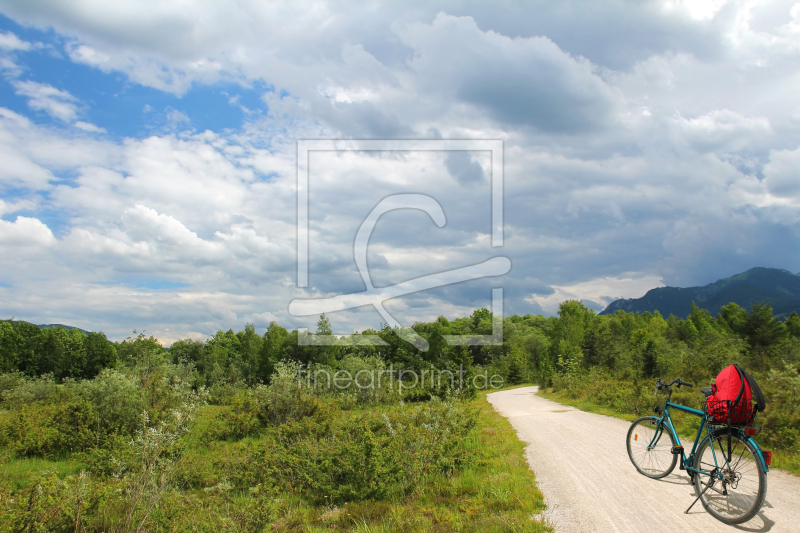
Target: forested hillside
x,y
778,288
247,430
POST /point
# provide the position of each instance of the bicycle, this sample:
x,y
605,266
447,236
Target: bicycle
x,y
727,467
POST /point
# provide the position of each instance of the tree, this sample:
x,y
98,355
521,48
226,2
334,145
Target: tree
x,y
8,347
100,354
569,335
481,315
762,329
734,317
324,325
30,339
702,321
250,350
793,324
221,359
687,332
272,350
186,351
324,354
143,353
649,360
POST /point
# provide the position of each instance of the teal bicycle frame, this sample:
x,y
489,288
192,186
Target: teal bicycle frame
x,y
687,463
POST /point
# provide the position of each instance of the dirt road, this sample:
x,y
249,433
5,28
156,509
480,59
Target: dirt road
x,y
589,484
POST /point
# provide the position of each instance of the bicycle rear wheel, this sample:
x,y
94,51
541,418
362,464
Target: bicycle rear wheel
x,y
650,447
731,491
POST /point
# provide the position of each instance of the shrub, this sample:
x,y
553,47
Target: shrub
x,y
25,391
285,398
240,418
117,400
49,430
781,419
52,505
369,456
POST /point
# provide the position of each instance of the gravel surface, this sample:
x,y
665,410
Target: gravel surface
x,y
589,484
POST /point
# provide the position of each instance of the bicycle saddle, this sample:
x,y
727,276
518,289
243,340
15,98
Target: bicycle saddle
x,y
706,390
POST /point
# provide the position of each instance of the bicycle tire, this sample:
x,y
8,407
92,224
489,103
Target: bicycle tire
x,y
740,500
658,461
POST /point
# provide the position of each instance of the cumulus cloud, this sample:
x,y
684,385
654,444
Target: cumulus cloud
x,y
25,232
782,173
600,291
89,127
529,82
9,41
645,143
13,207
42,97
723,129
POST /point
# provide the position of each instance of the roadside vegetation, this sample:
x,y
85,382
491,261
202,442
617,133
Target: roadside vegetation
x,y
237,433
223,436
609,365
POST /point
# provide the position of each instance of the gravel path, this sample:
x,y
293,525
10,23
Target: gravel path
x,y
589,484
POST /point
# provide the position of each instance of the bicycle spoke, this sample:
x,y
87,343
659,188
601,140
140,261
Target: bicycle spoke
x,y
734,492
650,448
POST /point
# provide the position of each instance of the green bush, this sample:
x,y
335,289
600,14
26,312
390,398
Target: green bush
x,y
49,430
118,401
370,456
25,391
52,505
240,418
780,422
285,398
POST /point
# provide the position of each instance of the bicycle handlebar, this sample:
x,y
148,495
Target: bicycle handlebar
x,y
664,385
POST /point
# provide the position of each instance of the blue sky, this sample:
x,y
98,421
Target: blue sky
x,y
148,153
111,101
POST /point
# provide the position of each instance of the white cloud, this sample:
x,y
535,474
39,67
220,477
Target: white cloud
x,y
723,129
782,173
9,41
701,185
87,126
13,207
18,170
601,291
88,55
42,97
24,232
176,119
529,82
697,9
31,154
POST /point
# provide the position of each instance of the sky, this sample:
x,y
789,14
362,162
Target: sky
x,y
148,154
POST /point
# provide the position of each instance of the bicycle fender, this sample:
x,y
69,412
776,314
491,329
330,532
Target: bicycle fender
x,y
760,455
740,433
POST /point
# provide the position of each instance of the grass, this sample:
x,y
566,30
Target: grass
x,y
495,491
685,424
18,473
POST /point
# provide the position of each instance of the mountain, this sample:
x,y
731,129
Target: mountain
x,y
780,288
45,326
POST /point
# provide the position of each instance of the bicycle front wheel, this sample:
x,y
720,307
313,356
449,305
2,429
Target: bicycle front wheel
x,y
650,447
731,490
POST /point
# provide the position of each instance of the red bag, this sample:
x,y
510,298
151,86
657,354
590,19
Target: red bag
x,y
731,400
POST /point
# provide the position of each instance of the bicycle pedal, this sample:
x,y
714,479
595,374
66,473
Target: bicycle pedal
x,y
677,450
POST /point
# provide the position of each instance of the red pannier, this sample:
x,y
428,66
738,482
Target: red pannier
x,y
732,397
